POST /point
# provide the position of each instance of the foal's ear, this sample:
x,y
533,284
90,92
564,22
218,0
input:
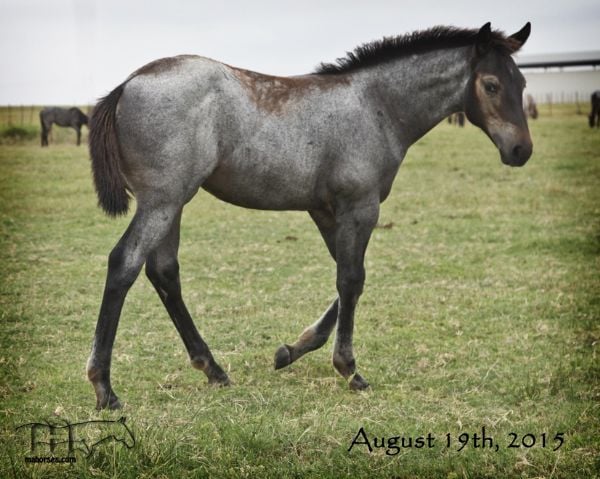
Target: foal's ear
x,y
484,38
521,36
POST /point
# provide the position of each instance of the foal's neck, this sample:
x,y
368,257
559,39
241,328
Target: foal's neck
x,y
418,91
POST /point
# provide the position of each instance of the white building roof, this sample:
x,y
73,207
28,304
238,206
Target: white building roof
x,y
568,59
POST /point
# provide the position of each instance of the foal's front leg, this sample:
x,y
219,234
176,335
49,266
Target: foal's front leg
x,y
317,334
355,223
313,337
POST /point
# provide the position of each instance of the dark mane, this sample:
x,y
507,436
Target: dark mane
x,y
390,48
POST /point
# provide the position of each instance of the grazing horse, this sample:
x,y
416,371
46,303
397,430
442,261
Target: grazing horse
x,y
594,118
329,143
72,117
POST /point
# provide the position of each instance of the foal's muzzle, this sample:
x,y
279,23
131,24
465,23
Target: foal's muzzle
x,y
517,155
514,144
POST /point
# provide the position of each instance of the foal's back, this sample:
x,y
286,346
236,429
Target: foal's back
x,y
253,140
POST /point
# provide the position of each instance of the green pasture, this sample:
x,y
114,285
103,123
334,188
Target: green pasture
x,y
480,316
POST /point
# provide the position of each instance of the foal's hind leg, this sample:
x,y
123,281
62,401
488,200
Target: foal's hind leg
x,y
146,231
318,333
162,268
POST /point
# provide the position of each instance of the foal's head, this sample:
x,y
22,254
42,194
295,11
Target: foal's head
x,y
494,98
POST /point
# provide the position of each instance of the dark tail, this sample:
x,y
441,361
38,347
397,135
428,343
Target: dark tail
x,y
110,183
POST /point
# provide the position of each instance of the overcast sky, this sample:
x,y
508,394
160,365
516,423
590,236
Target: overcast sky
x,y
73,51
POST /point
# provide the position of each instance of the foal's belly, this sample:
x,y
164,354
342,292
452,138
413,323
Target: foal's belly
x,y
265,183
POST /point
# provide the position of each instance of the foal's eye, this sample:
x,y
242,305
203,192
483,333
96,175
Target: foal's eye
x,y
491,88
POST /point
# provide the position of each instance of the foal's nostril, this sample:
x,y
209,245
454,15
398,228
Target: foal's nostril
x,y
522,152
517,151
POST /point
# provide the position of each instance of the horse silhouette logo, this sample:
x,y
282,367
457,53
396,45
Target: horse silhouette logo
x,y
83,436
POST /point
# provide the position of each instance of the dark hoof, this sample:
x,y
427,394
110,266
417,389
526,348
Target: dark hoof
x,y
358,383
222,381
112,402
283,357
216,376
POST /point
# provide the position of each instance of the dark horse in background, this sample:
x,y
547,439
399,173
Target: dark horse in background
x,y
594,117
71,117
329,143
457,119
530,107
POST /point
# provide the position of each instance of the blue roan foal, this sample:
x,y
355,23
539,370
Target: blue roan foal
x,y
329,143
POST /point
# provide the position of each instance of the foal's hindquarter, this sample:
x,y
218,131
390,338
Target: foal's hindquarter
x,y
330,146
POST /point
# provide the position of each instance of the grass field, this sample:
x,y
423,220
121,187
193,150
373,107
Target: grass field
x,y
481,310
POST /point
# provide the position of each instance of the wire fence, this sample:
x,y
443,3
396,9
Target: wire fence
x,y
580,100
29,115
